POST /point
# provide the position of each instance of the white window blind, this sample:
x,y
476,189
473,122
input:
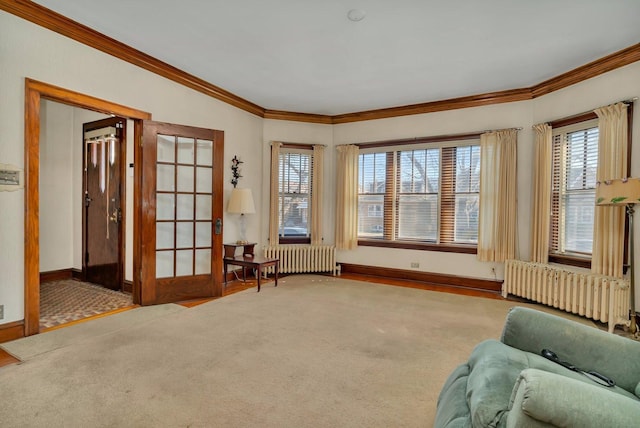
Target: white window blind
x,y
417,188
372,176
294,206
575,159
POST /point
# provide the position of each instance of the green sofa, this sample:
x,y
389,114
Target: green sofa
x,y
508,383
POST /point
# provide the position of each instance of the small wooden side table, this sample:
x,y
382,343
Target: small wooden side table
x,y
230,249
253,262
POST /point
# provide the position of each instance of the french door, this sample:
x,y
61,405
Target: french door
x,y
180,213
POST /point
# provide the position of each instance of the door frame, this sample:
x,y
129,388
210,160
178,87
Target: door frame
x,y
35,91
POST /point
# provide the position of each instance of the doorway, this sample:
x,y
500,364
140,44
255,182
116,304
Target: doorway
x,y
35,92
77,149
151,284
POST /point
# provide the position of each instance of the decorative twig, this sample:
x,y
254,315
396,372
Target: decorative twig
x,y
235,170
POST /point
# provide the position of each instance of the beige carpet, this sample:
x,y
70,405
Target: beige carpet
x,y
313,352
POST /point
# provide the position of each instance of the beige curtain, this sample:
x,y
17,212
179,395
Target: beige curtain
x,y
608,222
317,183
347,197
497,214
274,215
542,165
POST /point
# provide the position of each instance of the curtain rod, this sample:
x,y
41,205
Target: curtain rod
x,y
418,140
284,143
572,119
504,129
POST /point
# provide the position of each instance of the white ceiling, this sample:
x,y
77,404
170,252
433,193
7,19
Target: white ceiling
x,y
305,55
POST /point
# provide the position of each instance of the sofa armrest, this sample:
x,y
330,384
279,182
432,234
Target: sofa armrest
x,y
541,398
582,345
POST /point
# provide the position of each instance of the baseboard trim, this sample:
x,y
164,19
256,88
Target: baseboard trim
x,y
56,275
11,331
426,277
60,275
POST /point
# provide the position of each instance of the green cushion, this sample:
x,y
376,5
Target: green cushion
x,y
582,345
494,370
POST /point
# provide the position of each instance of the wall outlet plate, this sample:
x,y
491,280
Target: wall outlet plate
x,y
1,312
415,264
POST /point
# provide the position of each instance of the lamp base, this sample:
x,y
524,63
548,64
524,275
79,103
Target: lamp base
x,y
243,230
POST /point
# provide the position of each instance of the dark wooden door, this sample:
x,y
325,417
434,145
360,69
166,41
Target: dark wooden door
x,y
103,191
181,213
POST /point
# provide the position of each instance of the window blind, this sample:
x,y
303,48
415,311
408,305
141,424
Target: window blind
x,y
295,172
427,193
575,159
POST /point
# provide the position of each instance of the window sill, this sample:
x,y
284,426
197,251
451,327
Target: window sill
x,y
423,246
570,261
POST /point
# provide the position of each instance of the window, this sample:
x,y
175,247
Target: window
x,y
294,195
575,160
425,193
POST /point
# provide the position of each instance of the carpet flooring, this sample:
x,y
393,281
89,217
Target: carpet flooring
x,y
313,352
70,300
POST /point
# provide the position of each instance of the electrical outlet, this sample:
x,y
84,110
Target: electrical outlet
x,y
1,312
415,264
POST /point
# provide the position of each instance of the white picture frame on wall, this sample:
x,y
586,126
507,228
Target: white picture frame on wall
x,y
11,178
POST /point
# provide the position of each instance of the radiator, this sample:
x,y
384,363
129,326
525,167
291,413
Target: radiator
x,y
599,297
303,258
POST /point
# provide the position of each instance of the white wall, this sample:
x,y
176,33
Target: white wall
x,y
56,184
27,50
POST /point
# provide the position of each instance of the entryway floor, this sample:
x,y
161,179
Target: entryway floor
x,y
69,300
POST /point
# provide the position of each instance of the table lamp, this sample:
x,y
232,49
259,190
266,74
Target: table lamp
x,y
241,202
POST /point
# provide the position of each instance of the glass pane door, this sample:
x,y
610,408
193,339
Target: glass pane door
x,y
183,214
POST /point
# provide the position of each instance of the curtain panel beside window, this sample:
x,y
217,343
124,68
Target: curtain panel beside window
x,y
317,181
274,194
498,206
347,197
540,220
608,229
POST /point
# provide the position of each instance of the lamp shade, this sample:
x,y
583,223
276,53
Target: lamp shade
x,y
620,191
241,202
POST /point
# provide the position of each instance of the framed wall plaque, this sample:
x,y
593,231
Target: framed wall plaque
x,y
11,178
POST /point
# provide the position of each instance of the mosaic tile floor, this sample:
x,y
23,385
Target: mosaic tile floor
x,y
71,300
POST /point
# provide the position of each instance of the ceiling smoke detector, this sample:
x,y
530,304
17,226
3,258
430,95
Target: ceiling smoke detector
x,y
356,15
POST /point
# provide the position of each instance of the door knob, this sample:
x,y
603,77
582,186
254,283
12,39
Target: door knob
x,y
116,216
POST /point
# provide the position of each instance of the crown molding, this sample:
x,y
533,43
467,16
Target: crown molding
x,y
62,25
507,96
298,117
595,68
